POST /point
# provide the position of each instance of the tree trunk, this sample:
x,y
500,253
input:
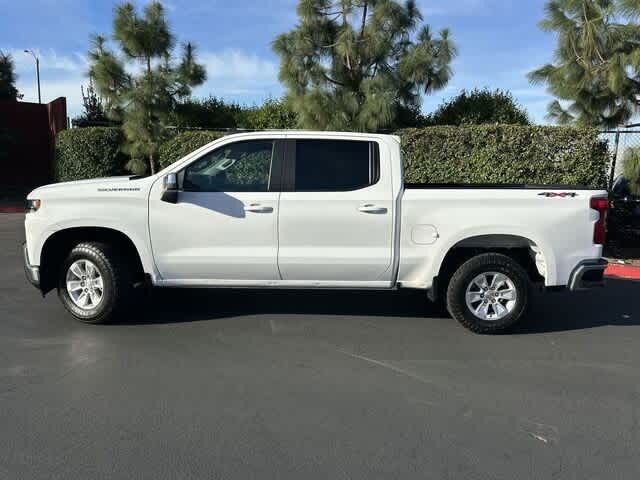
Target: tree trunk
x,y
152,165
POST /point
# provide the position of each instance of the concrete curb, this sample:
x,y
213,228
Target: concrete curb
x,y
623,271
11,209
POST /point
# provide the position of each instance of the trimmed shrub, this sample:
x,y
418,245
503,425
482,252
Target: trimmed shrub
x,y
89,153
184,143
505,154
631,169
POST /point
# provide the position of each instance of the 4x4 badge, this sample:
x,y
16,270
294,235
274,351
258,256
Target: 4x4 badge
x,y
558,194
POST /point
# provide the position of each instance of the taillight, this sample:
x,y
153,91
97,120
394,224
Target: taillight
x,y
601,205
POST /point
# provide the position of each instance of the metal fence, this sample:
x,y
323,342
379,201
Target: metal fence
x,y
619,141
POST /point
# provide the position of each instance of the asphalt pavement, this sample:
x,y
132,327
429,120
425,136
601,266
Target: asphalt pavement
x,y
219,384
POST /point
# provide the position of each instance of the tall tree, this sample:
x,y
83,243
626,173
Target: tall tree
x,y
8,90
356,64
596,69
143,100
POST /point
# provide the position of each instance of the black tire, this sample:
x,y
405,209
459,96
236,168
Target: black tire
x,y
463,278
116,279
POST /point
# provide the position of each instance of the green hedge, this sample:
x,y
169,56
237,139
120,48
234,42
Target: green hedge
x,y
505,154
184,143
469,154
89,153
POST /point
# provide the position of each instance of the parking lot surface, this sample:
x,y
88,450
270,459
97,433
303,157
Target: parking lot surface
x,y
296,385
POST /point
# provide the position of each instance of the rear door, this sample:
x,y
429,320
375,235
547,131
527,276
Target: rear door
x,y
335,224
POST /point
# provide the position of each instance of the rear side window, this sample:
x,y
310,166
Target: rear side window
x,y
335,165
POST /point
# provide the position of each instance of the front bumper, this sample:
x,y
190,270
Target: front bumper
x,y
32,273
588,274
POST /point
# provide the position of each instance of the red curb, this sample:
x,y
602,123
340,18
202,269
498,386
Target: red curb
x,y
11,209
623,271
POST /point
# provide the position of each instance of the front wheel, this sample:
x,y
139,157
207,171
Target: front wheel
x,y
94,284
488,293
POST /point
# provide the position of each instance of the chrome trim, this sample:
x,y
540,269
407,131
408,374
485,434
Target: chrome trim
x,y
576,282
32,273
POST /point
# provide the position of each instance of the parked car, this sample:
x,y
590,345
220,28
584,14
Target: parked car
x,y
311,210
624,215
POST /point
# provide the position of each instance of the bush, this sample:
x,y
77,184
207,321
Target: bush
x,y
480,107
631,169
272,114
184,143
89,153
505,154
208,113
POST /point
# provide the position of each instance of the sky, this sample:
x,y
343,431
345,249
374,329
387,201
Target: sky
x,y
499,41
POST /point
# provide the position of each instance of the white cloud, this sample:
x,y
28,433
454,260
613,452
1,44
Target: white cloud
x,y
235,74
237,64
238,74
49,60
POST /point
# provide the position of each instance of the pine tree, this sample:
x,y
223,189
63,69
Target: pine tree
x,y
357,64
143,101
92,108
596,68
8,89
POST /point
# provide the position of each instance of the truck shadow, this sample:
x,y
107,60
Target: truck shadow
x,y
615,305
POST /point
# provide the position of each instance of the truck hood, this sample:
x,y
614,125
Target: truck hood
x,y
107,182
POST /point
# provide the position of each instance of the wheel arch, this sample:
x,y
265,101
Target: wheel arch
x,y
528,250
58,245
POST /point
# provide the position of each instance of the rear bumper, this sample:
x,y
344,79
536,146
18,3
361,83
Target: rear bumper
x,y
588,274
32,273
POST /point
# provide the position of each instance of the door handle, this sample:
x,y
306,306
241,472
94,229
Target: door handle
x,y
371,208
257,208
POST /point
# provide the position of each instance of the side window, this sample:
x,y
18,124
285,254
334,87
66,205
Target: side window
x,y
237,167
335,165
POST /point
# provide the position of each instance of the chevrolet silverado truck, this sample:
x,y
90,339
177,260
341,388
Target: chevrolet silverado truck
x,y
311,210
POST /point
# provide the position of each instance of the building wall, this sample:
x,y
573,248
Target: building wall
x,y
28,148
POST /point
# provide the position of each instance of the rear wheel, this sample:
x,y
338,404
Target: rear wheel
x,y
94,284
488,293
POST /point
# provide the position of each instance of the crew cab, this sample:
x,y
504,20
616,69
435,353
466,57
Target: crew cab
x,y
298,209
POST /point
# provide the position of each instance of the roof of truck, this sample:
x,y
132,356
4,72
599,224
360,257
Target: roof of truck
x,y
318,133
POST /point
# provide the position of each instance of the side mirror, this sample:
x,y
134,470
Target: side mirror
x,y
170,188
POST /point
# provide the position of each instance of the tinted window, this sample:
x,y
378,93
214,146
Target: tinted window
x,y
237,167
334,165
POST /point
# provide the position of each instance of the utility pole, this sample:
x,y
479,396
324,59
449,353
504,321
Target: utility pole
x,y
37,71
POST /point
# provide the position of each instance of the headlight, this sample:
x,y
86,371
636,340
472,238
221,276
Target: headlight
x,y
33,205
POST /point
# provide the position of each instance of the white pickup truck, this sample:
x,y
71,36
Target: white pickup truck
x,y
297,209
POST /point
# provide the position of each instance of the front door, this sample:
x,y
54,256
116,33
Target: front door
x,y
224,225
